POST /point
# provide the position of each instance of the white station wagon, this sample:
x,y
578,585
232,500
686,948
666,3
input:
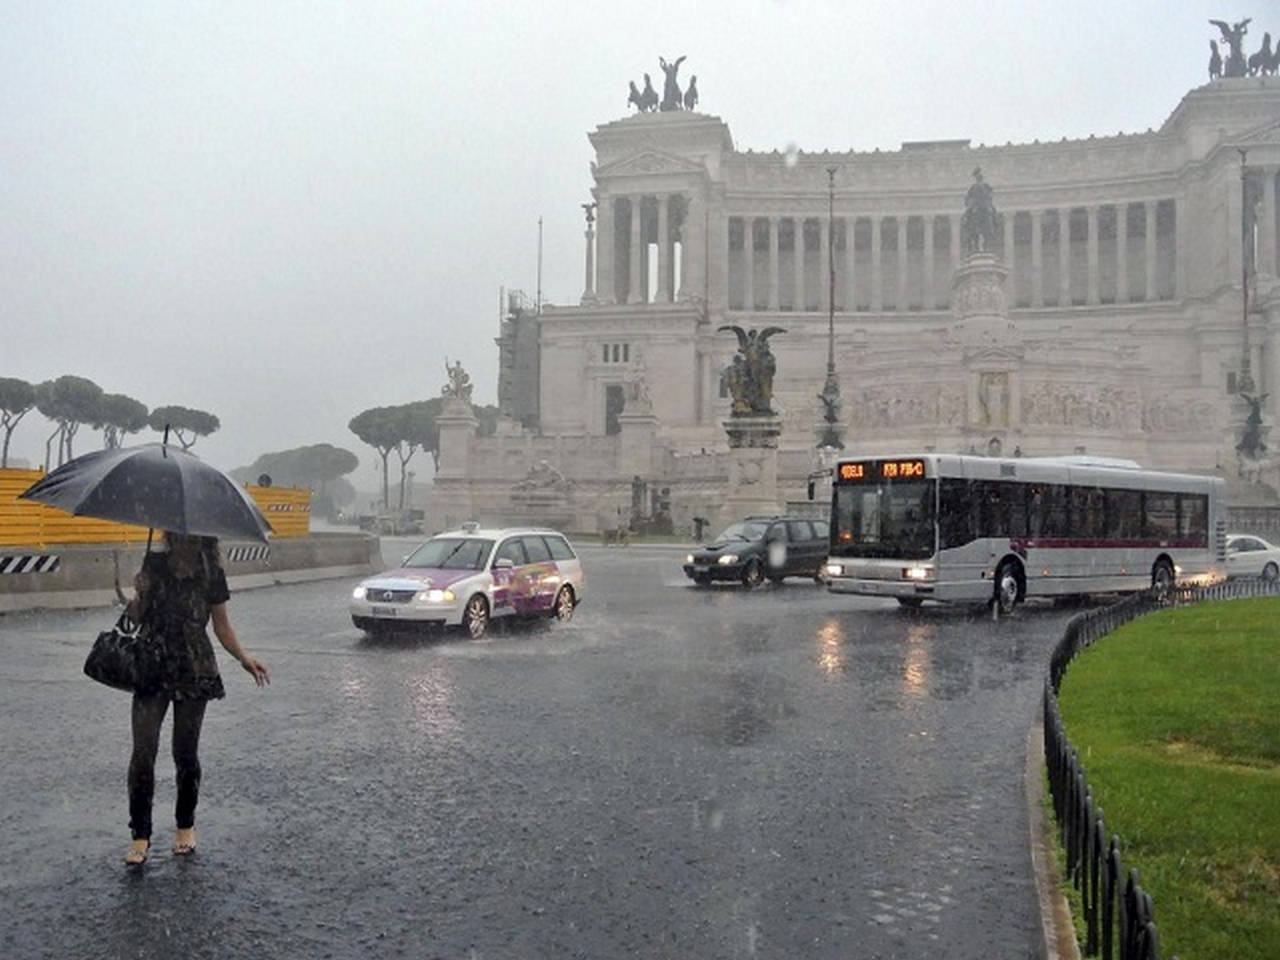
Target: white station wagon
x,y
469,576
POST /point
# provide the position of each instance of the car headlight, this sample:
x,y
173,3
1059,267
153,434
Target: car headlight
x,y
688,558
835,570
435,596
358,593
728,558
918,572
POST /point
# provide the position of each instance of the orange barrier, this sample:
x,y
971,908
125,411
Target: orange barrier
x,y
29,524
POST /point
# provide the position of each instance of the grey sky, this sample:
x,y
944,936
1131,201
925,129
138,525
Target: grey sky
x,y
287,212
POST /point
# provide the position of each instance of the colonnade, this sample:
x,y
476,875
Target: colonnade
x,y
1055,256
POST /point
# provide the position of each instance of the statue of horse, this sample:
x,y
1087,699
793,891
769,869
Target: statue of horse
x,y
691,95
1260,62
634,96
648,96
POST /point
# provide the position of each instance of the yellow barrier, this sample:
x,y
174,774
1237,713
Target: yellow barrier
x,y
24,523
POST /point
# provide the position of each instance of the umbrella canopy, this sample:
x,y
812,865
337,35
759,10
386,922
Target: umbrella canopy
x,y
153,485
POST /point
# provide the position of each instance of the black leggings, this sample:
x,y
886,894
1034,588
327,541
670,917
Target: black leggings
x,y
148,714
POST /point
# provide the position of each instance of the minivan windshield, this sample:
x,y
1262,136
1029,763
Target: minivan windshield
x,y
748,530
451,553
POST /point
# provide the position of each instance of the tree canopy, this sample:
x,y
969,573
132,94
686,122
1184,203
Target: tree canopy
x,y
118,416
69,401
185,423
17,399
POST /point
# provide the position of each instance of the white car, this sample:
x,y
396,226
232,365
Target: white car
x,y
469,576
1250,556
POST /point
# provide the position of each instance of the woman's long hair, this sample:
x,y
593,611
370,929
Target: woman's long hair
x,y
191,555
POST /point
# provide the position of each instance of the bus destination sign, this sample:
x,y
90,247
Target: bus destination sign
x,y
870,471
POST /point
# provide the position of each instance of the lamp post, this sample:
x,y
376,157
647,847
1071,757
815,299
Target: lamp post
x,y
1245,383
830,396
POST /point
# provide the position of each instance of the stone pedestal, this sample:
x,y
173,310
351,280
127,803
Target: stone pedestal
x,y
450,502
635,443
753,468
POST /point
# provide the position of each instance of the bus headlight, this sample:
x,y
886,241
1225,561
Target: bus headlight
x,y
728,558
835,570
920,571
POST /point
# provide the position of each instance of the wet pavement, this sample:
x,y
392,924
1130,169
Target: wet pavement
x,y
678,772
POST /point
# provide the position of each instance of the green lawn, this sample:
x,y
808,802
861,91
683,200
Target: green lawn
x,y
1177,720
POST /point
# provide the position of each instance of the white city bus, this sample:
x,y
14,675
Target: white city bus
x,y
984,529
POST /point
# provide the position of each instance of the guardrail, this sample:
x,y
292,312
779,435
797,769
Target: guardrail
x,y
24,523
1118,914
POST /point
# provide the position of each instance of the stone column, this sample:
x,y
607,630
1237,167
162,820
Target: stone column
x,y
1092,288
929,301
588,288
1151,250
663,293
850,258
693,250
955,242
637,213
900,301
1064,257
605,249
1122,253
749,262
1180,234
1010,282
799,258
824,252
773,264
1267,227
877,275
718,252
1037,258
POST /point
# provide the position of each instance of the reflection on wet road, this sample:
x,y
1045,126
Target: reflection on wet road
x,y
678,772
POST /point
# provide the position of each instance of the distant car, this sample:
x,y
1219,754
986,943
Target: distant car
x,y
1250,556
757,548
470,576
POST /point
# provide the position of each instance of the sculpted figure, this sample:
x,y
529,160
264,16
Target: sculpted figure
x,y
671,99
459,384
1251,444
1233,37
1260,62
691,95
1215,61
750,378
978,225
633,97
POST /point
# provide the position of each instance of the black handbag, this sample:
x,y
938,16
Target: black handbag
x,y
125,657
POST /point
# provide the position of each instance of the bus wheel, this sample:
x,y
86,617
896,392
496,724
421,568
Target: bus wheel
x,y
1006,597
1162,580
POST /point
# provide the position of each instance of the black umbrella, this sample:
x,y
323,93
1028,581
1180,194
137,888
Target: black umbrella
x,y
154,485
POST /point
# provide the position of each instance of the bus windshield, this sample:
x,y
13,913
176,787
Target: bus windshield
x,y
886,519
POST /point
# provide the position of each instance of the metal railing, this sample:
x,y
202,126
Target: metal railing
x,y
1118,913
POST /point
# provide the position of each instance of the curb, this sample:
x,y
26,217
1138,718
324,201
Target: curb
x,y
1059,937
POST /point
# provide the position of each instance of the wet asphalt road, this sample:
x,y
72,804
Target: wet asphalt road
x,y
676,773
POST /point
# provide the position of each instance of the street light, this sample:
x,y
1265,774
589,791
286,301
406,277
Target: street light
x,y
830,396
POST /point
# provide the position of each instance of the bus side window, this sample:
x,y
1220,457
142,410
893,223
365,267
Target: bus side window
x,y
1015,495
1192,517
1124,514
1159,516
1056,520
954,524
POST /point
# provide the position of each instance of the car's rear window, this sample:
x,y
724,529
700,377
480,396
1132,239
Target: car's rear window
x,y
451,553
560,549
536,548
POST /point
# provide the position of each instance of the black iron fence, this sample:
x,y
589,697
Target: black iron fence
x,y
1118,913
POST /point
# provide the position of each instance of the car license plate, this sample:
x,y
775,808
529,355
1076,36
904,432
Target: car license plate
x,y
382,611
698,569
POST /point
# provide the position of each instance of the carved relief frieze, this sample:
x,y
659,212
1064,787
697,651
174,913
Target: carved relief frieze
x,y
908,405
1163,414
1092,406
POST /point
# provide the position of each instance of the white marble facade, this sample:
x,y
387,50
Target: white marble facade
x,y
1121,335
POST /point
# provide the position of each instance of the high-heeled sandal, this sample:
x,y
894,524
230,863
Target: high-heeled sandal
x,y
136,855
184,848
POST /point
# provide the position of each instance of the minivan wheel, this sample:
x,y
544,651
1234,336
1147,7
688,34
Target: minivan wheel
x,y
562,609
475,618
752,574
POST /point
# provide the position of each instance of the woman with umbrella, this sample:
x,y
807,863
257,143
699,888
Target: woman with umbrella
x,y
179,591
